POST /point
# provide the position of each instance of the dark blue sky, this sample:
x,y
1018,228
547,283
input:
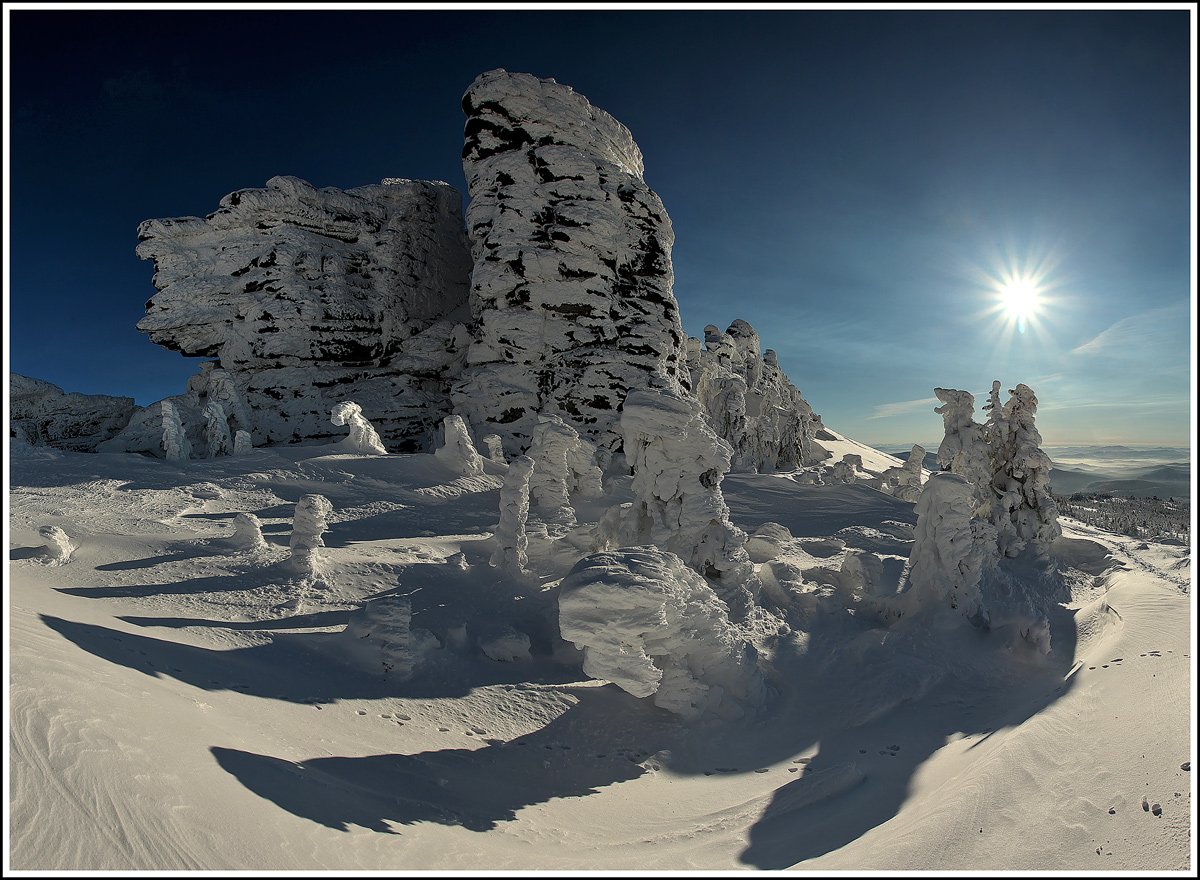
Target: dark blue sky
x,y
848,182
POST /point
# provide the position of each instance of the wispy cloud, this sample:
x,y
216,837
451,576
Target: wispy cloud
x,y
887,410
1151,331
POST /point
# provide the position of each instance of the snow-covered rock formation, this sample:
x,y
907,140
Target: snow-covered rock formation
x,y
457,452
43,414
512,543
379,637
175,443
58,548
363,439
904,482
309,524
750,403
678,463
571,287
302,292
648,623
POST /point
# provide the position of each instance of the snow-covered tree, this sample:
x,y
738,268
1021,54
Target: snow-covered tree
x,y
308,525
216,430
242,443
175,441
511,541
963,451
58,547
1026,513
363,439
247,532
458,452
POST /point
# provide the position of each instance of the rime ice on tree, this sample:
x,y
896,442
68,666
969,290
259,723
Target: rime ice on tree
x,y
216,430
363,439
511,541
308,525
174,437
458,452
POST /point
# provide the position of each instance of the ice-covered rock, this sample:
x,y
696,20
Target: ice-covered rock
x,y
175,443
678,463
511,541
379,638
247,532
363,439
457,452
648,623
216,430
303,292
767,541
505,644
750,403
904,482
58,548
309,524
44,415
571,287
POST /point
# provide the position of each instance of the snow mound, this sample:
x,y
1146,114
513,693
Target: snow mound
x,y
506,645
651,625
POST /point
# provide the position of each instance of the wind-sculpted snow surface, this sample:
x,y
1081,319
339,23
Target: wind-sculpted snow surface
x,y
751,403
649,624
363,438
302,292
571,287
677,464
43,414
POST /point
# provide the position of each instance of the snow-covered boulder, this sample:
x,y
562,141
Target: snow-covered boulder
x,y
649,624
175,443
512,543
44,415
505,644
363,439
58,547
457,452
379,638
571,287
678,463
309,524
302,292
750,403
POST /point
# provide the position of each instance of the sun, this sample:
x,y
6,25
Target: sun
x,y
1020,298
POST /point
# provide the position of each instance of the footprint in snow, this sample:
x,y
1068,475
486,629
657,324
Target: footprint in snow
x,y
1156,809
1145,805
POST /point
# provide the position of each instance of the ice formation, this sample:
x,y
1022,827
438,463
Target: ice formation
x,y
363,438
216,430
44,415
222,390
678,463
308,525
457,451
175,443
58,547
566,466
649,624
846,470
495,448
302,292
247,532
571,287
963,451
750,403
511,541
1026,512
905,481
242,443
379,637
505,644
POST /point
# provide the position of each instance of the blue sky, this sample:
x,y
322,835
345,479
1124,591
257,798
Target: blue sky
x,y
854,184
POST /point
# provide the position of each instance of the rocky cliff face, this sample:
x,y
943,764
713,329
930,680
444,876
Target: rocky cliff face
x,y
750,403
311,296
571,288
43,414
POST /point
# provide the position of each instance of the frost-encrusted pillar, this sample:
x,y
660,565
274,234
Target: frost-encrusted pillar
x,y
571,288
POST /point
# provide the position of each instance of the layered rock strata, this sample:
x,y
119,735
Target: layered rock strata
x,y
571,288
42,414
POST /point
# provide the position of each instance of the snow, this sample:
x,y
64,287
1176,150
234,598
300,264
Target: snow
x,y
363,439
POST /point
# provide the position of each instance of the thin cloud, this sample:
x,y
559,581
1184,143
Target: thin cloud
x,y
887,410
1155,330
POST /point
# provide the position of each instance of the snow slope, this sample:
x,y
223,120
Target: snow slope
x,y
176,702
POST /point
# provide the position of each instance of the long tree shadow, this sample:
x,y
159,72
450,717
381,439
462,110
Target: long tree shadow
x,y
471,788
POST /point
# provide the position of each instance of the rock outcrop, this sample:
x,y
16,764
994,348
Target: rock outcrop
x,y
43,414
309,295
570,295
750,403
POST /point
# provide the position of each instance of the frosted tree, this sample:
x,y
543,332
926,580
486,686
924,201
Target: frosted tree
x,y
363,438
565,466
846,470
964,450
175,440
309,524
494,445
242,443
58,547
1026,513
511,541
458,452
904,482
247,532
216,430
221,389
